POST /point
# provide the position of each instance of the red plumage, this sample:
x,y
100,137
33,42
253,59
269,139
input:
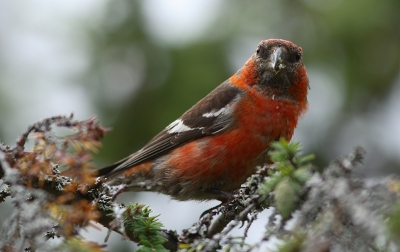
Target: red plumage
x,y
216,144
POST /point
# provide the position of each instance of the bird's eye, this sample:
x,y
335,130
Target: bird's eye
x,y
258,50
298,57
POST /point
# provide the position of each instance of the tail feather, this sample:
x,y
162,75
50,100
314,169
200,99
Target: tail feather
x,y
109,169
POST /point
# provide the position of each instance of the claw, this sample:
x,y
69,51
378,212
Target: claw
x,y
243,221
223,196
210,210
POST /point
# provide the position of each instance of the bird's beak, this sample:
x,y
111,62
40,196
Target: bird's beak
x,y
277,60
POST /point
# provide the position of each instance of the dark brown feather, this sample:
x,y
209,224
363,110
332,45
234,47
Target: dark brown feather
x,y
194,118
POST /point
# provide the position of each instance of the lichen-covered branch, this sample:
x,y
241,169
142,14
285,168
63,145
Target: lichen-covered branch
x,y
49,203
55,193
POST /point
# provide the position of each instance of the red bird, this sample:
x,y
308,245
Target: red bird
x,y
213,147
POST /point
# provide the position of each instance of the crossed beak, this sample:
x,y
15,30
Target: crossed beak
x,y
277,60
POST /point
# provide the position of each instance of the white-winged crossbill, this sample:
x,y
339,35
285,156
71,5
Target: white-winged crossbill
x,y
213,147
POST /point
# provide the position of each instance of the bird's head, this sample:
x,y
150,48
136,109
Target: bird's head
x,y
277,68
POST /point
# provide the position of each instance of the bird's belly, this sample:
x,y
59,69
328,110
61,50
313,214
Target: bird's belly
x,y
221,163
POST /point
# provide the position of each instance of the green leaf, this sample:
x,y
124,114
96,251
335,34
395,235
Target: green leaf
x,y
285,197
146,227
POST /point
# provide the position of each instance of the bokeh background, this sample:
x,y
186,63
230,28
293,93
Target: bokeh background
x,y
138,65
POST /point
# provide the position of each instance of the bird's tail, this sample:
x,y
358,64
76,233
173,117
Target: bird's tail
x,y
109,169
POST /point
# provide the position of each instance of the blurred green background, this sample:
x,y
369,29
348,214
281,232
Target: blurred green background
x,y
138,65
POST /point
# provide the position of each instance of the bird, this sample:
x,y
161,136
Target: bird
x,y
210,151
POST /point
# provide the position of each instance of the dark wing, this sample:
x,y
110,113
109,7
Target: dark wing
x,y
209,116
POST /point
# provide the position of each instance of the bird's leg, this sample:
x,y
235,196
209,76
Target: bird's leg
x,y
223,196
